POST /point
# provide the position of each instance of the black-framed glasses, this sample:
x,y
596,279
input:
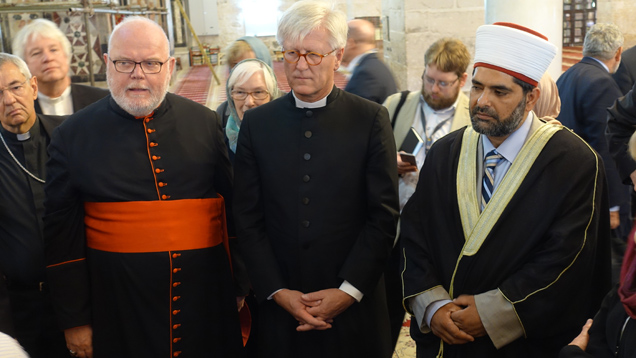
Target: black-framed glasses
x,y
16,89
441,84
312,58
241,95
128,66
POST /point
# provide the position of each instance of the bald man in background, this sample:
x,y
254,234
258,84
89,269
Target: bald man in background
x,y
369,77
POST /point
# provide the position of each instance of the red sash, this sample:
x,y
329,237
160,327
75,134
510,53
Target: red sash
x,y
155,226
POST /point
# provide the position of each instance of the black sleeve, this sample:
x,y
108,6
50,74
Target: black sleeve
x,y
65,241
621,123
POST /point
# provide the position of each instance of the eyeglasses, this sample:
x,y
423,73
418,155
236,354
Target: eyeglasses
x,y
128,66
241,95
312,58
441,84
16,90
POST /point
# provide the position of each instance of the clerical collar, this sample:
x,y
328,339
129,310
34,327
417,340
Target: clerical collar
x,y
23,136
443,111
51,100
60,106
318,104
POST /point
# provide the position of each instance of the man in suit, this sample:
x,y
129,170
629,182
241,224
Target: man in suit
x,y
587,90
316,201
25,136
369,77
625,76
47,52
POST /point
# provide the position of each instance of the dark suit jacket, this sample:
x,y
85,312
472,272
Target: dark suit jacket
x,y
371,79
626,73
587,90
316,204
82,96
621,124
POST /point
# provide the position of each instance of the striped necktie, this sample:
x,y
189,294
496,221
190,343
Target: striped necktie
x,y
492,159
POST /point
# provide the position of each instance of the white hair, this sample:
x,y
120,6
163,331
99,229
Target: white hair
x,y
131,19
40,28
306,16
244,70
17,61
602,41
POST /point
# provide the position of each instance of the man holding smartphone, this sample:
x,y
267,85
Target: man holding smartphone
x,y
438,109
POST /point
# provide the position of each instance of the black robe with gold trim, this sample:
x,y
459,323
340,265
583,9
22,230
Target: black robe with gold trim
x,y
548,252
103,154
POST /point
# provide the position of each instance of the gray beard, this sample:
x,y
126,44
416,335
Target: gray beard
x,y
500,128
134,108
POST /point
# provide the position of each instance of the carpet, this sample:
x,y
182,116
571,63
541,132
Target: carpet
x,y
195,84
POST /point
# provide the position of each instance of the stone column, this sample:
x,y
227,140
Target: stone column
x,y
544,16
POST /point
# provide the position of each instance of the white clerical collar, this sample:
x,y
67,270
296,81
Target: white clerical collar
x,y
23,136
60,106
45,98
318,104
443,111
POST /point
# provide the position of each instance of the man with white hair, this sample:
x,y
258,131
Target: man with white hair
x,y
506,246
47,52
587,90
135,224
316,201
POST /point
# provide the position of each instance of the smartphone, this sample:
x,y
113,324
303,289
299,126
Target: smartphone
x,y
413,142
408,158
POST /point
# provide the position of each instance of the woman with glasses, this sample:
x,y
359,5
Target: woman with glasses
x,y
251,83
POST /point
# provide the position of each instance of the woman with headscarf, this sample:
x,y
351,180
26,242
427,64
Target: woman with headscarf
x,y
244,48
613,331
251,83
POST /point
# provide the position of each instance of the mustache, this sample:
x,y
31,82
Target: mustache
x,y
136,86
485,110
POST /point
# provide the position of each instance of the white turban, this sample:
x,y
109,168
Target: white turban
x,y
513,49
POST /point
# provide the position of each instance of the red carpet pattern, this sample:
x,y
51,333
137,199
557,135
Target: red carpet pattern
x,y
195,84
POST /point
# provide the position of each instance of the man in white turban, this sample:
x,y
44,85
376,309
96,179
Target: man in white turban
x,y
512,258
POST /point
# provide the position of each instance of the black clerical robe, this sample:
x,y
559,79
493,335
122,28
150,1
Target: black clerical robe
x,y
315,205
23,296
548,252
158,303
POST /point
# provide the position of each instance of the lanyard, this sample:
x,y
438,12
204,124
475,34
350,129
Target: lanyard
x,y
429,139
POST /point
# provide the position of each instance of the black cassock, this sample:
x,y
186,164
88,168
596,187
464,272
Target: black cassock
x,y
548,253
145,304
316,204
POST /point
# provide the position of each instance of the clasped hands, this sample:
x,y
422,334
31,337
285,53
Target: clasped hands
x,y
458,322
314,310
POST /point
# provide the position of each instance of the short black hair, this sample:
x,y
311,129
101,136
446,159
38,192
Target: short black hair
x,y
525,86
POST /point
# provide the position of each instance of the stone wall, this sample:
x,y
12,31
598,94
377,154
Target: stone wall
x,y
619,12
231,22
415,25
